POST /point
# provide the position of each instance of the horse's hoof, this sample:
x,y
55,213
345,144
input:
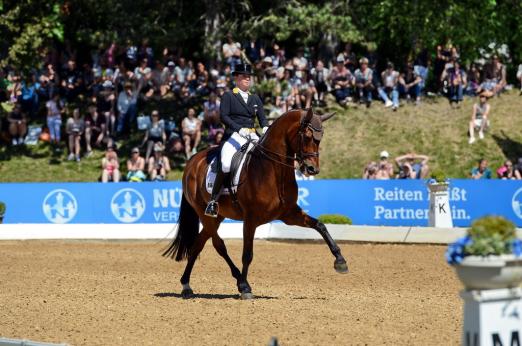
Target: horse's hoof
x,y
341,267
187,293
247,296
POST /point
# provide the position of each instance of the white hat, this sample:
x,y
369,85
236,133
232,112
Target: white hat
x,y
171,63
340,58
385,154
267,59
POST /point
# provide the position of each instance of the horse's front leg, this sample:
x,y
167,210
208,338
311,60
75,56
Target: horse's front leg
x,y
298,217
249,230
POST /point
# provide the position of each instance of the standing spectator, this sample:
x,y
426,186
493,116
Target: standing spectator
x,y
519,77
17,125
95,129
479,118
74,128
455,79
155,134
55,108
481,171
319,76
231,52
506,171
135,166
71,81
390,80
342,81
110,166
191,127
127,107
363,82
410,84
442,56
105,102
417,164
158,164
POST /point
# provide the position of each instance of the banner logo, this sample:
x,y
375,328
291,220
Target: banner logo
x,y
516,203
60,206
127,205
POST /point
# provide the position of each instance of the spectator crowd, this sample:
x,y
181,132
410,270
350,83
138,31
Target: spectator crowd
x,y
169,105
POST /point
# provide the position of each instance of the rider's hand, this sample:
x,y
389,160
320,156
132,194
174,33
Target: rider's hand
x,y
265,129
244,132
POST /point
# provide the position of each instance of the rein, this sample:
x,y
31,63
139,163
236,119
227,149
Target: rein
x,y
300,156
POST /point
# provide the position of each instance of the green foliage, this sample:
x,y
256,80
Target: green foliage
x,y
491,235
28,28
2,208
336,219
439,176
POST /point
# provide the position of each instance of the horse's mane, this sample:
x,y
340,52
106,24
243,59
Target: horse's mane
x,y
281,118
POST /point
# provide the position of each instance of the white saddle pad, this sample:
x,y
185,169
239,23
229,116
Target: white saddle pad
x,y
211,176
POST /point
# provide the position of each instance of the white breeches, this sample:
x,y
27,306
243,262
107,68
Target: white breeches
x,y
231,146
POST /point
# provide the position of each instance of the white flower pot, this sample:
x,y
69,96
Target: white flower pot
x,y
490,272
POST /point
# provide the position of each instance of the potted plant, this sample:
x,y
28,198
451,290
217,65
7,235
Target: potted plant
x,y
438,181
489,256
2,211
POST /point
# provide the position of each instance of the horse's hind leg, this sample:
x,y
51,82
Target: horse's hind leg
x,y
299,218
194,252
220,247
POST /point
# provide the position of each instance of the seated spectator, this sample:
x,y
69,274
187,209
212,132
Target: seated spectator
x,y
479,118
211,116
473,79
406,172
390,81
499,74
105,106
417,165
506,171
135,166
319,77
110,166
191,127
455,80
17,125
518,169
363,82
74,127
95,129
342,81
410,84
370,171
218,138
55,108
158,164
481,171
155,133
519,76
384,168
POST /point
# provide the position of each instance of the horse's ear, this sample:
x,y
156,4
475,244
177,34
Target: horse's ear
x,y
325,117
309,115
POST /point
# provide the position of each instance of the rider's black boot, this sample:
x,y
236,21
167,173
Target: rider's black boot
x,y
213,206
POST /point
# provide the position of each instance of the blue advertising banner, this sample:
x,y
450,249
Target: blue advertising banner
x,y
366,202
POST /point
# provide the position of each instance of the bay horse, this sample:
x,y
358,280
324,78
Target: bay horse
x,y
268,191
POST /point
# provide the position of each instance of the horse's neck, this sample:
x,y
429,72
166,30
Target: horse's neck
x,y
281,134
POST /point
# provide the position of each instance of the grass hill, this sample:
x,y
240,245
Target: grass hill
x,y
354,137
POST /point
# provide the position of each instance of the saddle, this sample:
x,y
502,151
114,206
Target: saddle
x,y
239,160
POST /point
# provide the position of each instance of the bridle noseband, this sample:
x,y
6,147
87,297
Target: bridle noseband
x,y
317,134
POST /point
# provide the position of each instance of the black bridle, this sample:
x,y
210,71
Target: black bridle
x,y
300,156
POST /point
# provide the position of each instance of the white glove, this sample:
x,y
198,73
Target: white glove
x,y
244,132
265,129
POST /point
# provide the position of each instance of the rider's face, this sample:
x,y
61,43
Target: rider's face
x,y
243,81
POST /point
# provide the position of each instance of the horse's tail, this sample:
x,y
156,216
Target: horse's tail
x,y
188,229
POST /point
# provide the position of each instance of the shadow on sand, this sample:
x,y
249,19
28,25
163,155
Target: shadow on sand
x,y
206,296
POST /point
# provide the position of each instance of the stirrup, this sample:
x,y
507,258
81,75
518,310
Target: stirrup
x,y
212,209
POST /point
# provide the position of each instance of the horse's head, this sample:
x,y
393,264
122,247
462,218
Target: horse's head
x,y
309,136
